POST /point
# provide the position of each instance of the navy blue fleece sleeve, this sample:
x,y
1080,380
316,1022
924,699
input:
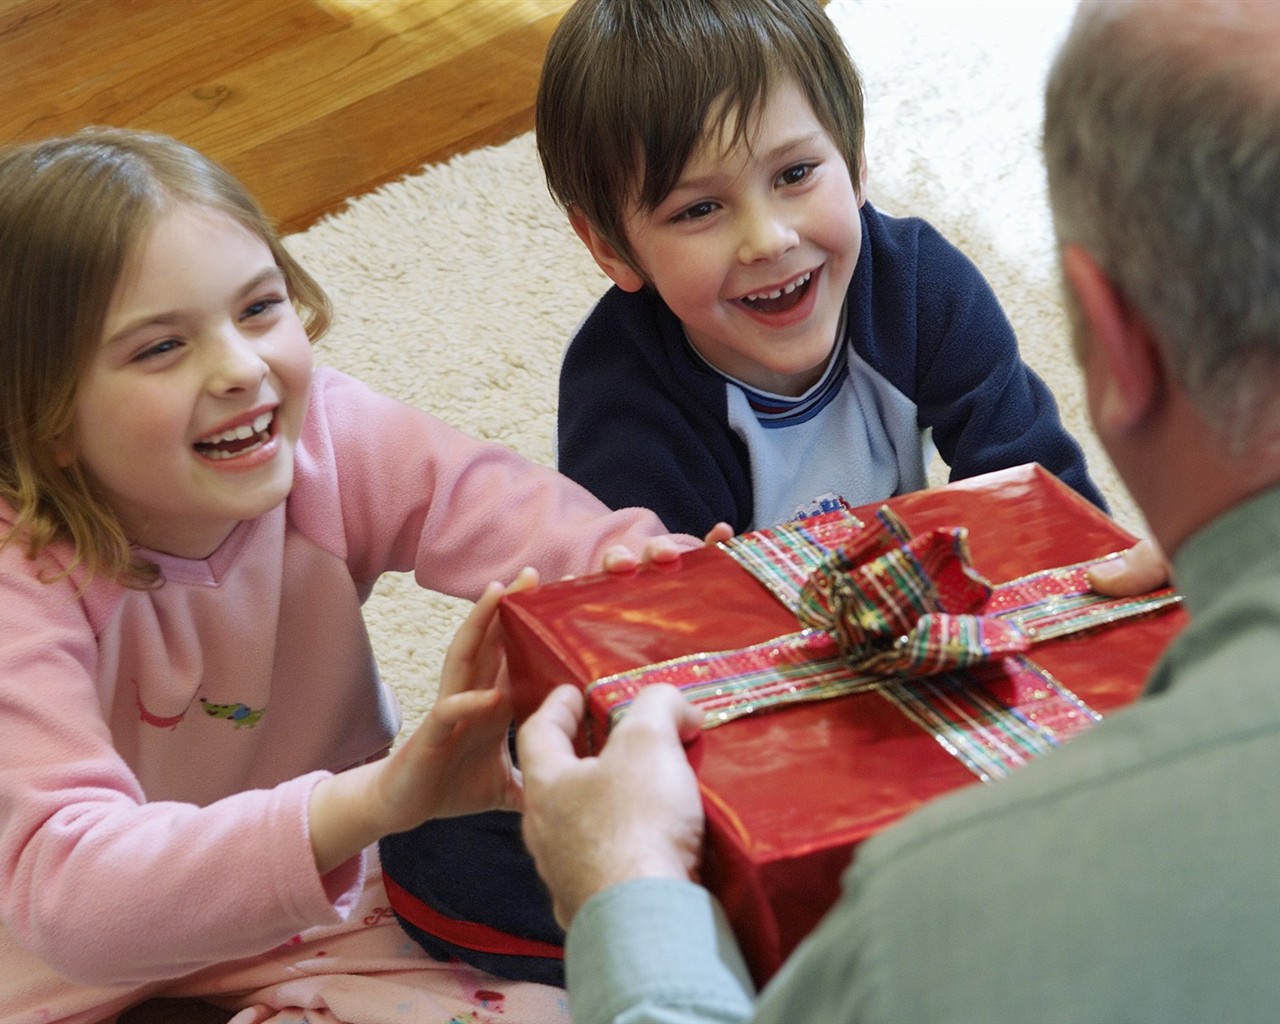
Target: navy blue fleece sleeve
x,y
925,316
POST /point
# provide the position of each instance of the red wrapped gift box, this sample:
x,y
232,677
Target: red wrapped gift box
x,y
789,793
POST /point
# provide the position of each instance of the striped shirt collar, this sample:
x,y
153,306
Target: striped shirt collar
x,y
783,410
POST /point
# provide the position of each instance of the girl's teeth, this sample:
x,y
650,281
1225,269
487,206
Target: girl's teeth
x,y
245,438
787,290
242,432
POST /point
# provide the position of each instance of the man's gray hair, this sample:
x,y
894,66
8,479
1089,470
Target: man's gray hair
x,y
1162,144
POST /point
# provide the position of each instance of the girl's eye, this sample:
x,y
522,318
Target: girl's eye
x,y
260,307
697,211
795,175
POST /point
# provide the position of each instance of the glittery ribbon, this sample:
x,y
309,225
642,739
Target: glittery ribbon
x,y
908,617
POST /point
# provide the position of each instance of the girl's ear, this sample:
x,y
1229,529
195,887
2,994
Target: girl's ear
x,y
64,451
607,258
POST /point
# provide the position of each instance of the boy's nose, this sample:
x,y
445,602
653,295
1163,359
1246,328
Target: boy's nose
x,y
767,235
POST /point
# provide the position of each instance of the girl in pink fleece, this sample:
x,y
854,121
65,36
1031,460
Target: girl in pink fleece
x,y
192,727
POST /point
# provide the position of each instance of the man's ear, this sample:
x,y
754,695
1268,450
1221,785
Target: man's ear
x,y
1124,370
619,270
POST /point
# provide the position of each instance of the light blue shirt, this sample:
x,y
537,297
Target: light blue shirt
x,y
851,439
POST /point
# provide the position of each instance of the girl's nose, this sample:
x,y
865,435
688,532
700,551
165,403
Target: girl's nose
x,y
237,365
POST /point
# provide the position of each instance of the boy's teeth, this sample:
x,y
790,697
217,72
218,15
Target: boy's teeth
x,y
778,293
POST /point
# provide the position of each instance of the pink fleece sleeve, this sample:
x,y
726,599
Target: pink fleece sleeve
x,y
417,494
105,887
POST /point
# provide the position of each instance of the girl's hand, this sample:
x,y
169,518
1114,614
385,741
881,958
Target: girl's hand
x,y
456,762
667,548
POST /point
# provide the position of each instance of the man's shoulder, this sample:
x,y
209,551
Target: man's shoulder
x,y
1132,775
1089,862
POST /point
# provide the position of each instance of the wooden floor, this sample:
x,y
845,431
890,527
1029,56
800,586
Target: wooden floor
x,y
309,102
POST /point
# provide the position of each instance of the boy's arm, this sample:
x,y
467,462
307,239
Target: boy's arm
x,y
640,426
988,409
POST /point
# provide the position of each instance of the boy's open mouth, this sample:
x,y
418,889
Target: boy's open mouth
x,y
782,299
243,438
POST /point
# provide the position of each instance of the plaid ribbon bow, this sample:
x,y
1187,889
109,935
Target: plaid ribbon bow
x,y
904,606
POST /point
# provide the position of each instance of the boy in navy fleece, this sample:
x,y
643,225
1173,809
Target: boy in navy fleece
x,y
774,346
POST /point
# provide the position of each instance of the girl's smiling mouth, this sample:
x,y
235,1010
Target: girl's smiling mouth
x,y
247,437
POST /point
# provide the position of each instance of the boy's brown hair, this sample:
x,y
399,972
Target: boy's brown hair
x,y
73,211
630,88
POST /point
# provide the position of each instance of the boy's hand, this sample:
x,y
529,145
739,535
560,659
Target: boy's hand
x,y
456,762
1140,569
664,549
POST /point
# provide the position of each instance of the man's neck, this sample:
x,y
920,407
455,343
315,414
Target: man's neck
x,y
1189,479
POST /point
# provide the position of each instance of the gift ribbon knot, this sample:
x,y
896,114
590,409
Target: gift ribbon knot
x,y
906,606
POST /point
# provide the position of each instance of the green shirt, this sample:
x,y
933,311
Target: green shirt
x,y
1131,875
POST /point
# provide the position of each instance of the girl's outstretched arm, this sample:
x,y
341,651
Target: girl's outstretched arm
x,y
665,548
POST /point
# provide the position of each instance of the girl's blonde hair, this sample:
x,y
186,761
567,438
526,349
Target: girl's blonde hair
x,y
73,210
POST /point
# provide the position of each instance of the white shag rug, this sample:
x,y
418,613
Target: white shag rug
x,y
457,288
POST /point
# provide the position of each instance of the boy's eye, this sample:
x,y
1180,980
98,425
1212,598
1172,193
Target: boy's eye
x,y
697,211
795,175
158,349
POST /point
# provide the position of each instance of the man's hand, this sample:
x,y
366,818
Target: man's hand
x,y
1137,571
632,812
